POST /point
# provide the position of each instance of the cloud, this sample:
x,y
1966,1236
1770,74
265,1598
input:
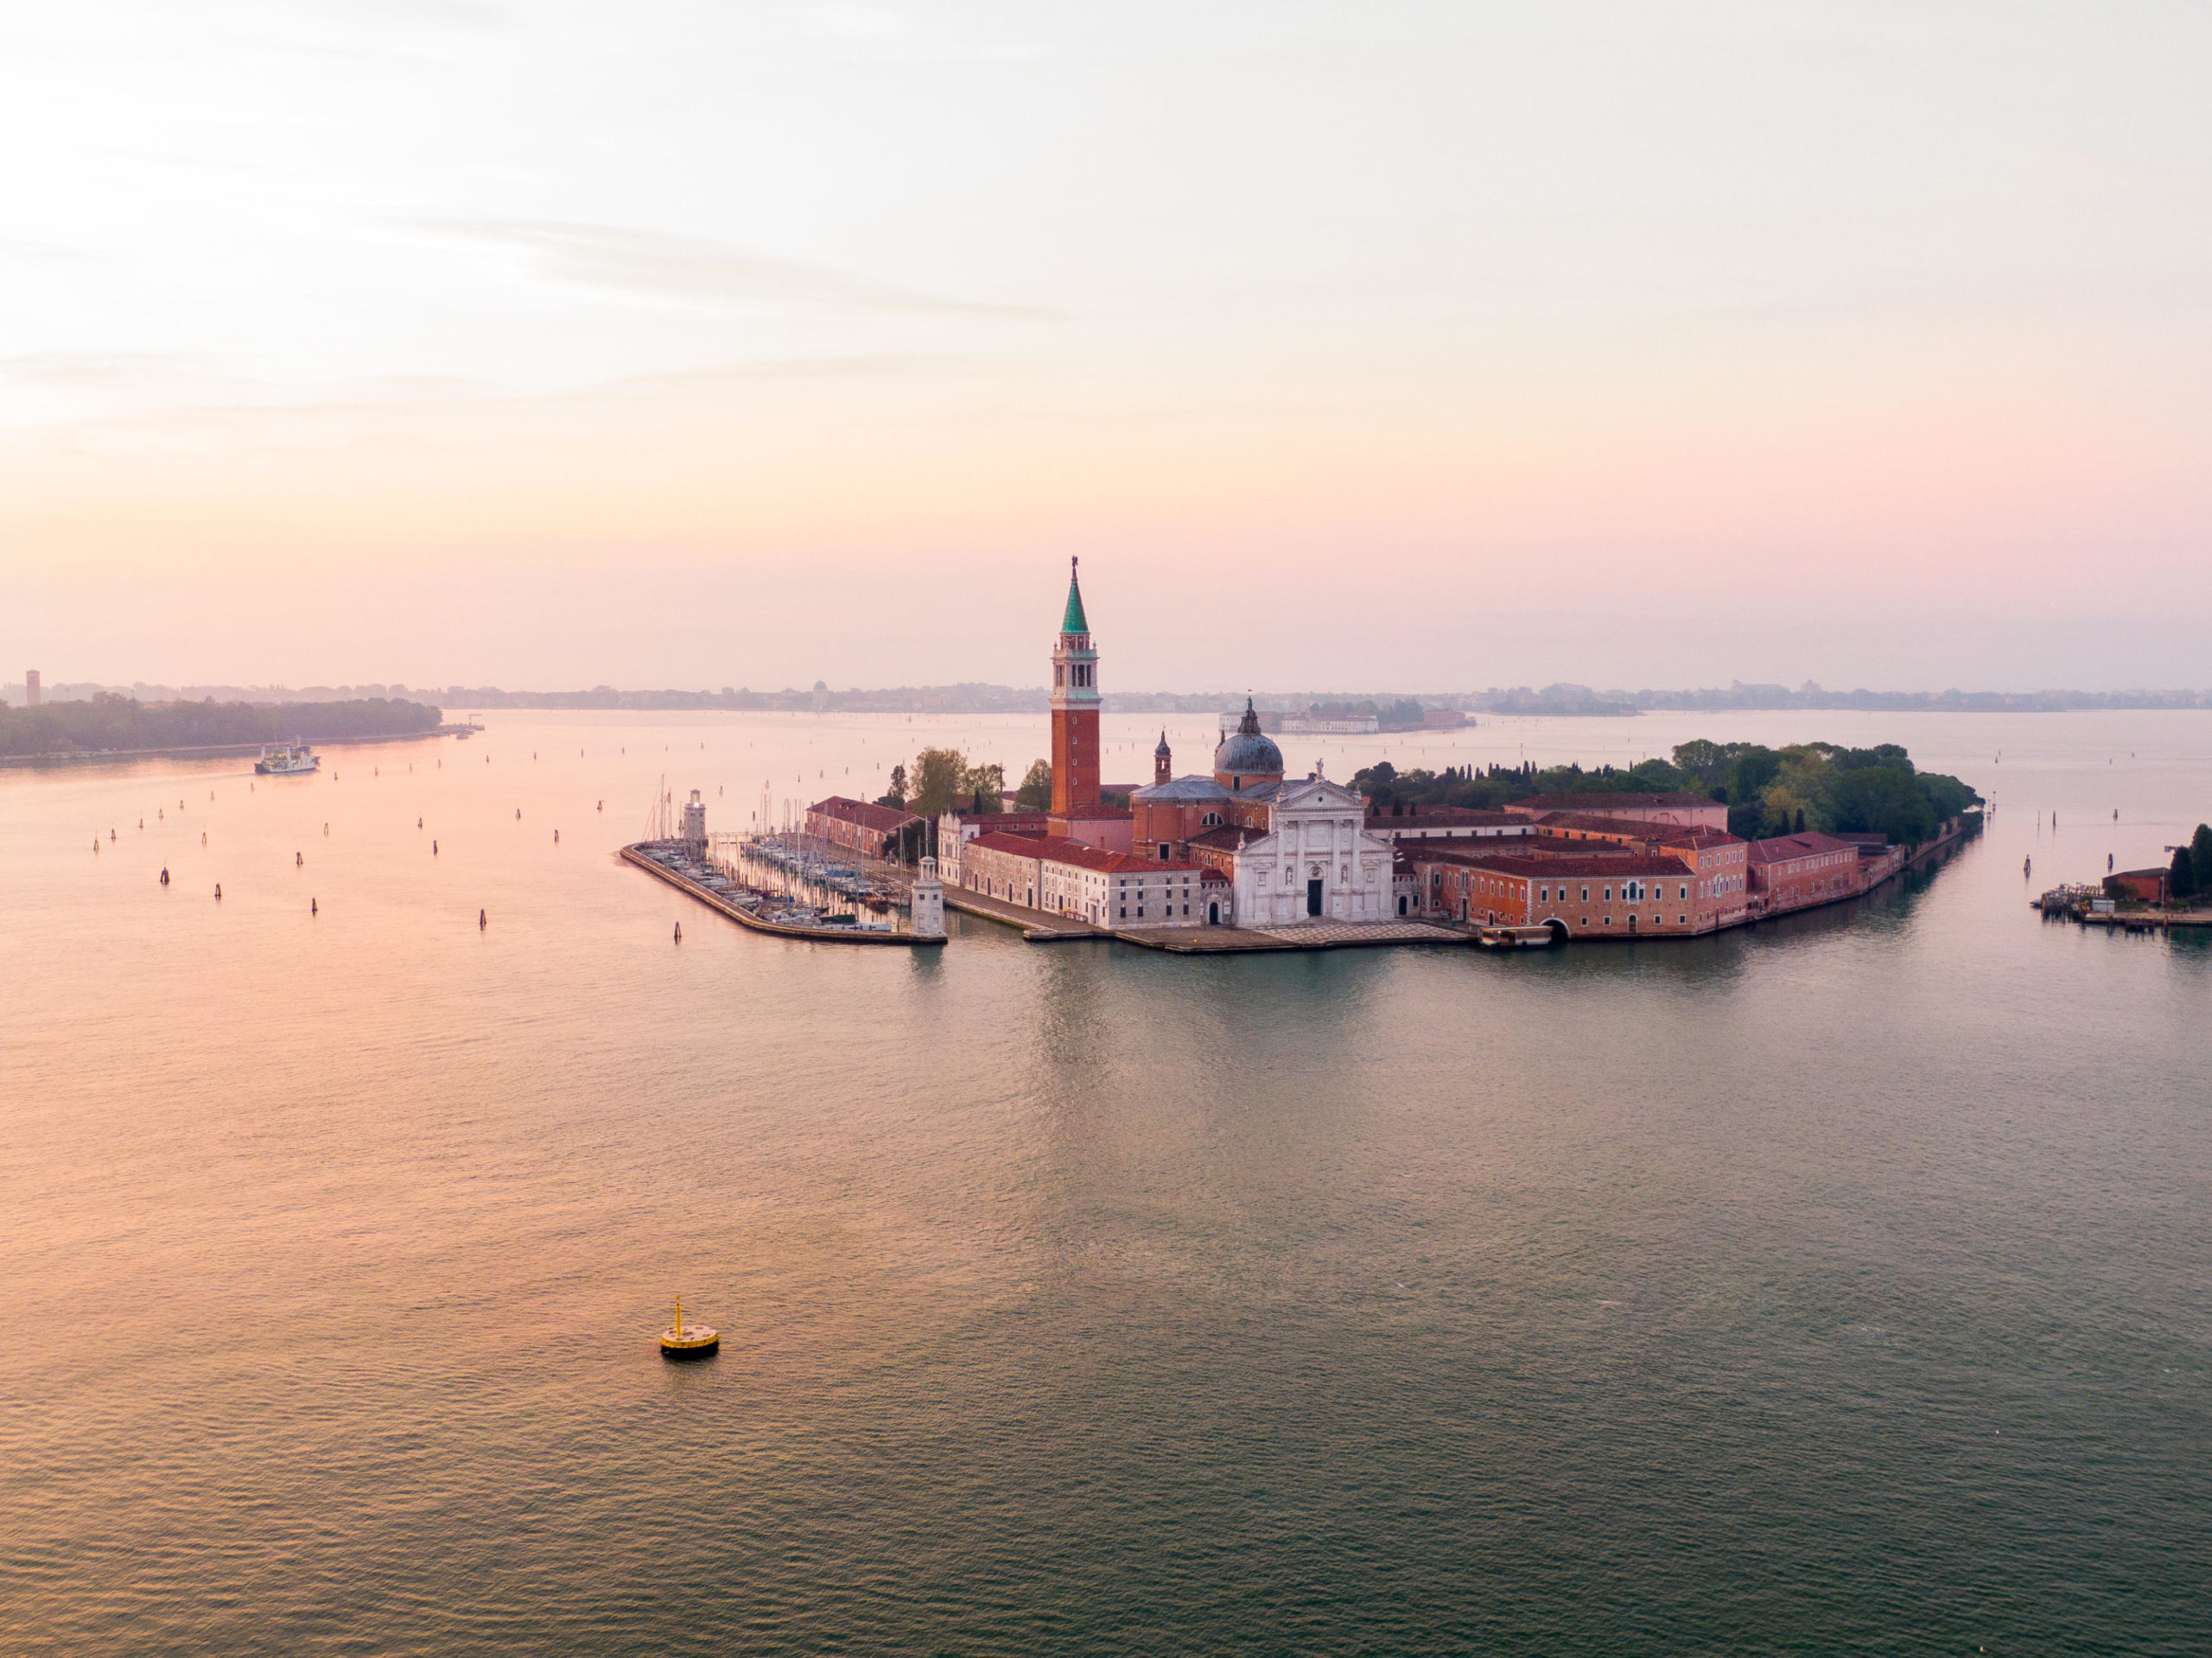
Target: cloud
x,y
693,270
132,369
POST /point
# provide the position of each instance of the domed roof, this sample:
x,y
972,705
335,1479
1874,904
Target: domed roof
x,y
1246,753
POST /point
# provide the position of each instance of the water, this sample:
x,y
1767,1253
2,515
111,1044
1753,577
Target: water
x,y
1840,1286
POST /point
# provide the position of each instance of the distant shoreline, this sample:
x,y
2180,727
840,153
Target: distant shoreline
x,y
211,750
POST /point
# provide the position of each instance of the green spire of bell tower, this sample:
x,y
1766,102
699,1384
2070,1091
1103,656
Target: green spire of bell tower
x,y
1074,621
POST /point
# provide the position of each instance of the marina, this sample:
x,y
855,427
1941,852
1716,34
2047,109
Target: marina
x,y
685,867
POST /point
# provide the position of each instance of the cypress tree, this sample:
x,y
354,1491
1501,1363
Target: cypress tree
x,y
2200,855
2181,874
1801,820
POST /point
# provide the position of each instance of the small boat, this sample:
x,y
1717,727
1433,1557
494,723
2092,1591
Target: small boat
x,y
291,759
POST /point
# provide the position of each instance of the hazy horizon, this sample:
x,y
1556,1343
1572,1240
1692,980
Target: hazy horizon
x,y
445,342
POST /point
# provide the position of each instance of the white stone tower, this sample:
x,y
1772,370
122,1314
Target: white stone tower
x,y
929,902
695,821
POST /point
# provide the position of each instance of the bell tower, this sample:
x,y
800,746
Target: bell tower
x,y
1163,761
1075,715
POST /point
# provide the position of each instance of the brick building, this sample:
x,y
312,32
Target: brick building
x,y
871,830
956,829
1795,872
1065,877
1606,895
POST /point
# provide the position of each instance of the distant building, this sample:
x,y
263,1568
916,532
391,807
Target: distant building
x,y
873,831
33,695
2143,886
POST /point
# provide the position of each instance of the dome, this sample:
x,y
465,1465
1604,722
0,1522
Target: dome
x,y
1245,752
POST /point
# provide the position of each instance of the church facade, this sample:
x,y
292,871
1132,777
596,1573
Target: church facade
x,y
1290,849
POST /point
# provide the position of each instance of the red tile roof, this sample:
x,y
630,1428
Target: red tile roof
x,y
1595,802
1552,868
1019,845
1053,848
1574,825
1782,848
885,819
1086,856
1435,816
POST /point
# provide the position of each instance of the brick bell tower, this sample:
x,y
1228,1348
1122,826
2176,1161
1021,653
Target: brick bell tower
x,y
1075,715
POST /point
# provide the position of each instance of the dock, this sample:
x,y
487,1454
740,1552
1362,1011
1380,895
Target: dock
x,y
1043,927
637,854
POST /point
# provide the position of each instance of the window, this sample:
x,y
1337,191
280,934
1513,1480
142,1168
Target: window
x,y
1125,912
1140,911
1586,898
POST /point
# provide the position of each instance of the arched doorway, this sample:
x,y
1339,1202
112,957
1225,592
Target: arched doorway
x,y
1631,923
1402,904
1558,929
1213,915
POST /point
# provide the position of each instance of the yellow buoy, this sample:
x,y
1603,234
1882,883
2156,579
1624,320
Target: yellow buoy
x,y
682,1341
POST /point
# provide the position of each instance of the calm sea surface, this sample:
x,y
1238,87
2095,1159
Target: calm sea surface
x,y
1844,1285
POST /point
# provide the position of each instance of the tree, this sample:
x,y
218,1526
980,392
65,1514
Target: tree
x,y
2181,874
1783,802
896,794
986,786
938,781
2200,856
1036,792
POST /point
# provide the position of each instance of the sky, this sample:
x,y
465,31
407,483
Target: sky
x,y
1399,346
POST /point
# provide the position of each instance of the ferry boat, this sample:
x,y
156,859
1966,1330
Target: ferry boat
x,y
292,759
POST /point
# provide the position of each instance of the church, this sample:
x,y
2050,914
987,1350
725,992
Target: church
x,y
1291,849
1268,850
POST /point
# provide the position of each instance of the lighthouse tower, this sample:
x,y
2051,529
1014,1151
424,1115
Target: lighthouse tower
x,y
1075,716
928,902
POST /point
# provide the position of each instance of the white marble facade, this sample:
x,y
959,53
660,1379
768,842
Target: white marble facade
x,y
1316,862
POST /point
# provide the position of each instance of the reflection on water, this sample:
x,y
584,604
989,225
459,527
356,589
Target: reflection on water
x,y
1835,1284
